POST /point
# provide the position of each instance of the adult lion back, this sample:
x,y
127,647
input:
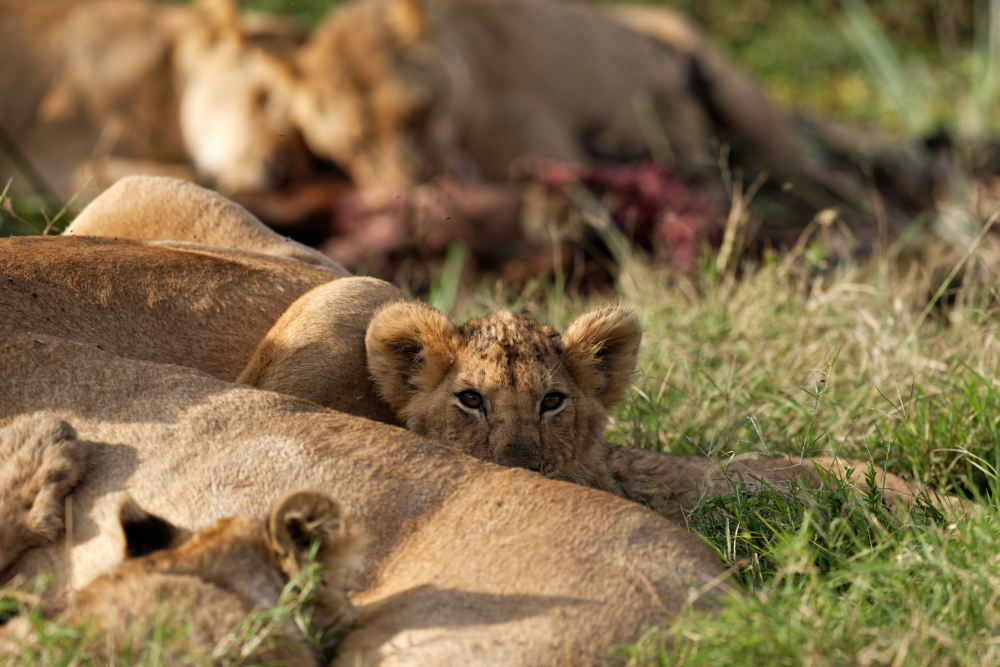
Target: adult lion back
x,y
198,306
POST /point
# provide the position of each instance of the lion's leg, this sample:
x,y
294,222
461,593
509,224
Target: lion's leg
x,y
672,483
40,462
667,483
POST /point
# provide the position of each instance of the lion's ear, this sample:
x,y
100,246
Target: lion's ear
x,y
406,19
220,20
601,348
410,347
302,518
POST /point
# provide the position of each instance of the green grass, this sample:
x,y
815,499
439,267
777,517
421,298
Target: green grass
x,y
918,593
31,215
862,360
926,596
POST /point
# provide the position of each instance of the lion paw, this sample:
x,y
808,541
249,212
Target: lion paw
x,y
40,462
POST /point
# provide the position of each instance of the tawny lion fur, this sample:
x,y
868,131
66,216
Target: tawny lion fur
x,y
199,306
466,561
203,589
160,208
40,462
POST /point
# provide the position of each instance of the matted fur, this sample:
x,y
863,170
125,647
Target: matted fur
x,y
422,364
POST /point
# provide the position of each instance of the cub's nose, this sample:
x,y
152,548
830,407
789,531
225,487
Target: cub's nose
x,y
520,453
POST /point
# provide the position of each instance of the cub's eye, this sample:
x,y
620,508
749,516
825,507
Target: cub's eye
x,y
552,400
470,399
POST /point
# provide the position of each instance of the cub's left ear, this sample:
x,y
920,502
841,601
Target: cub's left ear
x,y
601,348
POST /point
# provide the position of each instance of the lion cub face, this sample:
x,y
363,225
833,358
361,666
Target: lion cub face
x,y
505,388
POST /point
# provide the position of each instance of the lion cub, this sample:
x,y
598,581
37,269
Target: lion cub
x,y
204,588
203,585
503,388
94,90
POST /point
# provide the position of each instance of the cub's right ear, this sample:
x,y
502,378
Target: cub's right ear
x,y
410,347
302,517
602,349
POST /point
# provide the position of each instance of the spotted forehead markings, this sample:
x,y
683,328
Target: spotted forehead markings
x,y
522,348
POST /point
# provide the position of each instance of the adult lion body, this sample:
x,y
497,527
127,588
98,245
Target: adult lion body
x,y
235,315
305,331
397,91
466,561
194,305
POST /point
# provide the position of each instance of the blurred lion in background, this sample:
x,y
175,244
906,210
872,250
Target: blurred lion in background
x,y
399,91
90,91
